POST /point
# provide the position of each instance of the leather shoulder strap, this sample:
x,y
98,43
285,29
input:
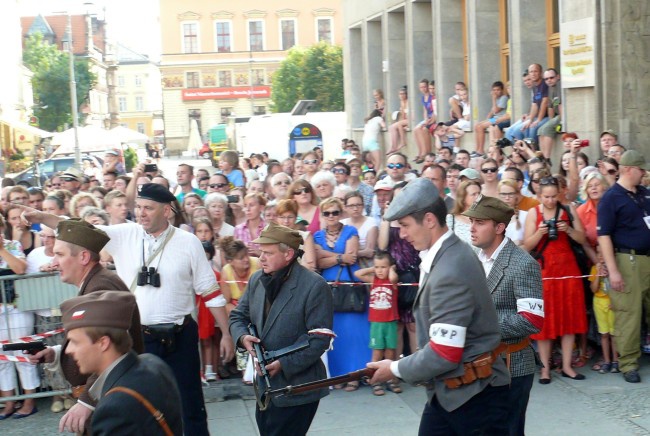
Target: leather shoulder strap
x,y
157,414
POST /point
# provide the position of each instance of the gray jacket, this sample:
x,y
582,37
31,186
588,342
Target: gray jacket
x,y
304,303
516,278
453,299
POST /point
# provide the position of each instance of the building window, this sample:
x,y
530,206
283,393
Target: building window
x,y
121,81
257,77
288,34
222,29
139,103
259,110
504,41
138,80
552,34
225,113
140,127
324,26
192,79
122,103
225,78
256,35
190,37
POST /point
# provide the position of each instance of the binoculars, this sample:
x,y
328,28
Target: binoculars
x,y
149,276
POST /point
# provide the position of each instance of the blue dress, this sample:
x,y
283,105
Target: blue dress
x,y
351,346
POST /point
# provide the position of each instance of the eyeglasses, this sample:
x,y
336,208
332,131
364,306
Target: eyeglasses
x,y
339,171
301,191
614,152
310,161
507,194
612,171
282,182
217,185
393,166
354,206
287,217
489,170
332,213
549,181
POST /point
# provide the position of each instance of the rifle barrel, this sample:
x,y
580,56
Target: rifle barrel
x,y
319,384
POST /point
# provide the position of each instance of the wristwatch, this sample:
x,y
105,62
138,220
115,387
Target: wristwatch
x,y
339,259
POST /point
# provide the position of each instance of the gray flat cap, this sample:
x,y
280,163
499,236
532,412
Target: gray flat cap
x,y
417,195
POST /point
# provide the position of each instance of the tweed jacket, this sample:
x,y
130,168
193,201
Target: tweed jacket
x,y
119,413
515,283
455,323
99,279
304,303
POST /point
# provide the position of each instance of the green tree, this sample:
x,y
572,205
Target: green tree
x,y
51,82
315,73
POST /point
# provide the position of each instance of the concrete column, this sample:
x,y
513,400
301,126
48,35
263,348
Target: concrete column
x,y
448,50
527,46
354,74
395,54
373,76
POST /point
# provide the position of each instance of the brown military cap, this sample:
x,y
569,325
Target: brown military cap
x,y
490,208
99,309
83,234
277,234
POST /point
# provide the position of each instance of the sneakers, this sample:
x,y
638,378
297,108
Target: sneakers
x,y
210,375
632,376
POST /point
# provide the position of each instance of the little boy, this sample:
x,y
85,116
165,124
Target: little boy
x,y
604,316
383,313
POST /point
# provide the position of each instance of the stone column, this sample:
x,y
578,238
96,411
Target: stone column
x,y
448,50
354,83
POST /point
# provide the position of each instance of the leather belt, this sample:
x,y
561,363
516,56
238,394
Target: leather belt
x,y
478,369
632,251
177,327
513,348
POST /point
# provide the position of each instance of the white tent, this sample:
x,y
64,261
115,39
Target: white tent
x,y
91,139
124,134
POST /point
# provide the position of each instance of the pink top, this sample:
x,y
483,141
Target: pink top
x,y
314,224
242,232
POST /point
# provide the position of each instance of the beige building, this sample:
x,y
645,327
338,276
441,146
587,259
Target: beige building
x,y
599,48
218,58
138,93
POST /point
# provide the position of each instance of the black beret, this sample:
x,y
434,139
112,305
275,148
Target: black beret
x,y
155,192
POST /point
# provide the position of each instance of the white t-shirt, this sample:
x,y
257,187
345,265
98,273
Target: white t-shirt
x,y
184,271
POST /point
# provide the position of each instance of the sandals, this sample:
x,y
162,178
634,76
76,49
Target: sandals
x,y
615,369
605,368
351,387
580,361
395,387
378,390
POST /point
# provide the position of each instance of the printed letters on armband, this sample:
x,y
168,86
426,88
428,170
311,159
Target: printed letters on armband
x,y
448,341
533,310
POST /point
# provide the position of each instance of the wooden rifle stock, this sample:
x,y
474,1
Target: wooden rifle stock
x,y
324,383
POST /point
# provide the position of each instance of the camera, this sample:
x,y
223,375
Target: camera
x,y
233,198
552,229
148,276
150,168
504,142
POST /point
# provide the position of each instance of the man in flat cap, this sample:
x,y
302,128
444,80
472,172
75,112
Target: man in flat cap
x,y
288,304
76,255
456,324
166,268
135,394
514,280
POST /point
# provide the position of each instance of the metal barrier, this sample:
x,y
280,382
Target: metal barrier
x,y
38,291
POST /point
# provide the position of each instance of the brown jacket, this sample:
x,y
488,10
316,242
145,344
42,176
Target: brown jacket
x,y
99,279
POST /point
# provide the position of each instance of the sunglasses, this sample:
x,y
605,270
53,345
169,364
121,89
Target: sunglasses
x,y
339,171
310,161
217,185
34,190
392,166
69,179
282,182
489,170
534,180
549,181
332,213
612,171
301,191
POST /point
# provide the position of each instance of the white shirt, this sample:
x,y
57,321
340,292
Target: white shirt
x,y
184,272
427,257
488,262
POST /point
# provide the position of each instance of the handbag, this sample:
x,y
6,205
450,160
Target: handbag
x,y
406,294
348,298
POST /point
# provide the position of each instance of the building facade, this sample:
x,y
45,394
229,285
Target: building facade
x,y
601,48
138,93
218,58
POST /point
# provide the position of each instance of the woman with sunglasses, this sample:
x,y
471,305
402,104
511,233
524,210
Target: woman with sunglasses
x,y
337,247
287,215
301,191
467,192
510,194
547,236
310,163
608,167
367,227
490,174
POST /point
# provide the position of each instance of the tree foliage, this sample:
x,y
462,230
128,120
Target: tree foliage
x,y
51,82
314,73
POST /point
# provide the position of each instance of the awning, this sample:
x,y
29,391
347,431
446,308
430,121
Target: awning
x,y
26,128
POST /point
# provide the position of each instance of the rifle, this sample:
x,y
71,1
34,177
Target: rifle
x,y
324,383
30,347
265,358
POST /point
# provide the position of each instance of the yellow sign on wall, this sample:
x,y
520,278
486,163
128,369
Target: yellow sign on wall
x,y
577,53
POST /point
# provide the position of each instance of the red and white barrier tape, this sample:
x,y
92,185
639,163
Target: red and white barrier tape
x,y
33,338
14,358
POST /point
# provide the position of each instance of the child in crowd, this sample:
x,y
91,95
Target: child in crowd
x,y
382,314
374,124
604,315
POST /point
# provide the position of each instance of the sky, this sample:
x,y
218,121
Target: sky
x,y
128,21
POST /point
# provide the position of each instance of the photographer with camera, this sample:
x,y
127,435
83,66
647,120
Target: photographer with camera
x,y
549,231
